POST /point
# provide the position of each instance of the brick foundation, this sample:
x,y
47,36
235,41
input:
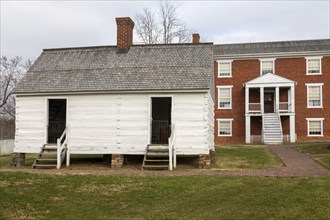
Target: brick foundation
x,y
117,160
204,161
17,159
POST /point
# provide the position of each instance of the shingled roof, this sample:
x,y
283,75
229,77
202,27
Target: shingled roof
x,y
143,68
322,45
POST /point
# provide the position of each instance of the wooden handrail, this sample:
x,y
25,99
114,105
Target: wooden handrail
x,y
171,148
62,146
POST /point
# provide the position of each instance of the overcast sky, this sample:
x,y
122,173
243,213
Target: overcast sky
x,y
29,26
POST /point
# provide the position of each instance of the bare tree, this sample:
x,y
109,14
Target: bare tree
x,y
146,28
166,28
11,71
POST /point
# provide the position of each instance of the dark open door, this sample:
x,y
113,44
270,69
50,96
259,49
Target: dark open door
x,y
161,120
269,102
56,119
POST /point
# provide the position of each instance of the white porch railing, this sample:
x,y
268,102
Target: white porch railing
x,y
284,107
62,148
172,149
254,107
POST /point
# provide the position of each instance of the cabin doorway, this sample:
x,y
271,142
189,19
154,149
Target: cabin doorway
x,y
56,119
161,119
269,102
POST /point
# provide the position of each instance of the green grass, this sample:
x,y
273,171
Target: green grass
x,y
46,196
320,152
238,157
324,161
94,161
316,148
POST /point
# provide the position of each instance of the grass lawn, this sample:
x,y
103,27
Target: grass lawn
x,y
314,148
38,196
77,161
324,161
320,152
239,157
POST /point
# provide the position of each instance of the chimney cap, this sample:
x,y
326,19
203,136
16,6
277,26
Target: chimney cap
x,y
125,20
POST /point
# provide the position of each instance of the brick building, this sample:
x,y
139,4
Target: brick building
x,y
291,78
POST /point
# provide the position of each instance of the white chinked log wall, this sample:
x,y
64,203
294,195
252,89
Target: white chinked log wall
x,y
116,123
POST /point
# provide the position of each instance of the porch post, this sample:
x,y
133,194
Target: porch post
x,y
289,100
292,129
246,99
262,100
277,99
247,129
292,99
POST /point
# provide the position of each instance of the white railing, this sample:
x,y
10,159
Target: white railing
x,y
283,107
254,107
172,149
62,148
279,120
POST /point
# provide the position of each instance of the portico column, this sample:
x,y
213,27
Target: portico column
x,y
247,129
277,99
292,99
292,129
246,99
262,100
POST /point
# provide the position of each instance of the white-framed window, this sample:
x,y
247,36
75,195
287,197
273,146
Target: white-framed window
x,y
313,65
224,68
267,66
225,126
224,97
314,127
314,95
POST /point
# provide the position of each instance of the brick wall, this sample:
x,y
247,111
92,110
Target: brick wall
x,y
290,68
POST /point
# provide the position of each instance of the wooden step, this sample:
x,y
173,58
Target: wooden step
x,y
157,150
44,165
49,148
155,160
46,159
156,166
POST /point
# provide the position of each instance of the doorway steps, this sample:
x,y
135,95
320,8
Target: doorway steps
x,y
272,129
156,157
47,157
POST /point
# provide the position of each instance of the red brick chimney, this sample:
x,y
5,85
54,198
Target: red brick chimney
x,y
125,27
196,38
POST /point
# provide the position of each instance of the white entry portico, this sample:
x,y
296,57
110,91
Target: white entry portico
x,y
276,98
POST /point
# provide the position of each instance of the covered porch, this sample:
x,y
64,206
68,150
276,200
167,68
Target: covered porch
x,y
270,97
269,93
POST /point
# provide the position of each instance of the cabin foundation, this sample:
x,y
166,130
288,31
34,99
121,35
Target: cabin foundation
x,y
17,159
107,159
204,161
117,160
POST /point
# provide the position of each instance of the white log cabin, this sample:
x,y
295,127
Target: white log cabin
x,y
118,100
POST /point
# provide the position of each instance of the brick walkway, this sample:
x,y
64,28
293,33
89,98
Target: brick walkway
x,y
296,165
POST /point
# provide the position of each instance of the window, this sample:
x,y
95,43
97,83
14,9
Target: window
x,y
267,66
314,95
314,126
225,127
224,68
313,65
224,97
